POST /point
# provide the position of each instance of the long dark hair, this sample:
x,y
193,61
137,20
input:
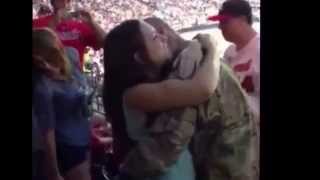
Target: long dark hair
x,y
123,71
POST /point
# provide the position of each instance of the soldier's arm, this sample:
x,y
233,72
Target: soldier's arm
x,y
174,93
188,61
155,156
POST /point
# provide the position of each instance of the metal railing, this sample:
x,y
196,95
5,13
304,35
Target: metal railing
x,y
95,80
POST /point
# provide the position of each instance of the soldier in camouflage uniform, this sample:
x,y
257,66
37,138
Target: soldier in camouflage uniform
x,y
225,136
225,145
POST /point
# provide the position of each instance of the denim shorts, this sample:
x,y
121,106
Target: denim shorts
x,y
70,156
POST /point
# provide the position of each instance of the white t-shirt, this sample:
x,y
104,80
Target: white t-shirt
x,y
246,65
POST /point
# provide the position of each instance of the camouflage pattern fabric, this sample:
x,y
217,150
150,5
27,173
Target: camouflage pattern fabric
x,y
224,134
224,146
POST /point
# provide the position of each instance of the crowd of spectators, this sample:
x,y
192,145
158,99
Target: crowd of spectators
x,y
178,14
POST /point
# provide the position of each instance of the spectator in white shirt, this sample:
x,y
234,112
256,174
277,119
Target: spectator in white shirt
x,y
243,56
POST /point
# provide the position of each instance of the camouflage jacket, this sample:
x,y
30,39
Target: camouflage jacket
x,y
222,125
224,146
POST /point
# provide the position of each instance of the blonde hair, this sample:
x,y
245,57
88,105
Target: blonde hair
x,y
47,46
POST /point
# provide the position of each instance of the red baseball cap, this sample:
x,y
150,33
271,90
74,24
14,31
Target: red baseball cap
x,y
220,17
233,8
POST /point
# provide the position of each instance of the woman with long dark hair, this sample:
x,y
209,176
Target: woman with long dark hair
x,y
135,54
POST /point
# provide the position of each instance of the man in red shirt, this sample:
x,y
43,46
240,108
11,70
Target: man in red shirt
x,y
77,29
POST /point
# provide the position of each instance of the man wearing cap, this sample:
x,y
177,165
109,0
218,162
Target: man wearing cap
x,y
243,56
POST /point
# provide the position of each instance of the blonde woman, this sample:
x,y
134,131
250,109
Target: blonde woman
x,y
60,105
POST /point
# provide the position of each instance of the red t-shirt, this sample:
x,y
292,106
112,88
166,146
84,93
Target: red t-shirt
x,y
72,33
